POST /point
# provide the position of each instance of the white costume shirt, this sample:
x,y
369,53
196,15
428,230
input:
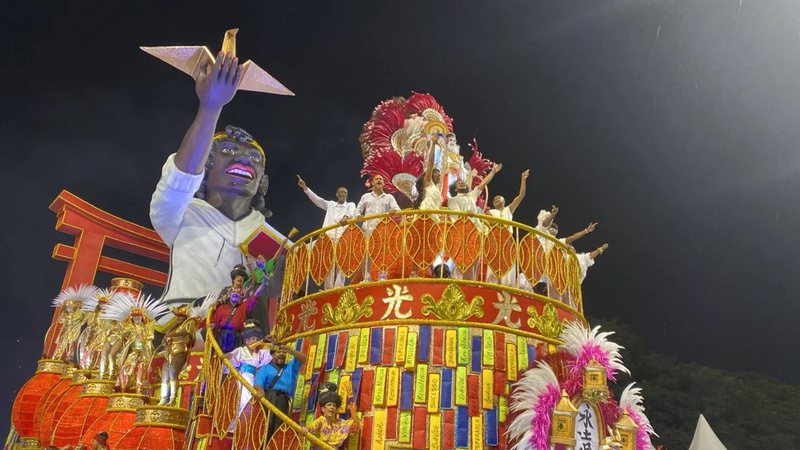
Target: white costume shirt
x,y
467,202
432,198
334,212
375,204
204,243
504,213
584,262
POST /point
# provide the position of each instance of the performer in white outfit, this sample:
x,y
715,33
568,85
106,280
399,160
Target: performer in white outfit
x,y
335,212
502,211
247,359
374,202
466,200
547,225
586,260
226,172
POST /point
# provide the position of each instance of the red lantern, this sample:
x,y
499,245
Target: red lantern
x,y
50,399
89,405
118,419
56,408
34,392
156,428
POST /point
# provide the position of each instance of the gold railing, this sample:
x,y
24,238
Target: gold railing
x,y
405,244
221,403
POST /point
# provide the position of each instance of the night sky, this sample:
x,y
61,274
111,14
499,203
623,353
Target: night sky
x,y
674,124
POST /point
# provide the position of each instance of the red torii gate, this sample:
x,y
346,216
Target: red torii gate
x,y
94,229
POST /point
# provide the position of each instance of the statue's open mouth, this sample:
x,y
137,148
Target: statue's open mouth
x,y
241,171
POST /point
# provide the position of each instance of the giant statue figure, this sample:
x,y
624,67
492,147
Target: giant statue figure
x,y
210,197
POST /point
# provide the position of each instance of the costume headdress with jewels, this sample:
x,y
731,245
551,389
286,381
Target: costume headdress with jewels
x,y
123,306
100,298
394,142
76,297
240,135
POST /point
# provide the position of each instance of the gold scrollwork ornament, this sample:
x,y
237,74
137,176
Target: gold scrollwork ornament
x,y
548,323
453,305
283,326
347,311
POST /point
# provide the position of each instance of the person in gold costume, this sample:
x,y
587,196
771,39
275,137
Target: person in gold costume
x,y
178,341
71,320
97,330
135,343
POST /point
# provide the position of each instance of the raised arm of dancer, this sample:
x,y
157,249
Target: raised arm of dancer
x,y
580,234
496,168
431,163
522,184
598,251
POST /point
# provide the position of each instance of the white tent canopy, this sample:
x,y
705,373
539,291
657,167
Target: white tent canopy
x,y
704,437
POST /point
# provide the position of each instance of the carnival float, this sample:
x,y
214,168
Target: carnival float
x,y
433,328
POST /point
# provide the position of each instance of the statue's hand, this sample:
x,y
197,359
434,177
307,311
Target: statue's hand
x,y
216,85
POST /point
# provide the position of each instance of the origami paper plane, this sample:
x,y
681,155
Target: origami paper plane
x,y
189,59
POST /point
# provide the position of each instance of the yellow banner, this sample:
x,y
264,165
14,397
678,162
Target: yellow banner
x,y
352,354
378,393
435,430
400,347
312,354
487,389
363,346
463,346
476,432
522,354
434,383
411,351
488,348
502,409
450,349
320,357
297,401
511,362
333,376
404,421
421,383
379,429
461,386
392,386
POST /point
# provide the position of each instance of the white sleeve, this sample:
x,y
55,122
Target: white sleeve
x,y
393,206
351,210
316,199
362,205
173,194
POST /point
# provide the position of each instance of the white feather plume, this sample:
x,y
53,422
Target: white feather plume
x,y
121,305
201,310
524,398
83,294
632,401
577,338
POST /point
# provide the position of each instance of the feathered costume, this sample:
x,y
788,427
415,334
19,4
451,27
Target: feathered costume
x,y
71,319
137,316
536,394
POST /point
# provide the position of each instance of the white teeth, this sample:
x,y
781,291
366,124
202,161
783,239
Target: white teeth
x,y
240,172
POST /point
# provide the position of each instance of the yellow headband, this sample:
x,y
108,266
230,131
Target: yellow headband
x,y
223,135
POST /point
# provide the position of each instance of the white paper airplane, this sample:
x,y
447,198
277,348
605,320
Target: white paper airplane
x,y
189,59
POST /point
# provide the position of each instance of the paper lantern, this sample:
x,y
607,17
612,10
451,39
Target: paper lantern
x,y
56,408
87,407
117,420
156,428
32,393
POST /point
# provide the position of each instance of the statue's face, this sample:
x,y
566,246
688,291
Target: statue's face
x,y
238,168
137,320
